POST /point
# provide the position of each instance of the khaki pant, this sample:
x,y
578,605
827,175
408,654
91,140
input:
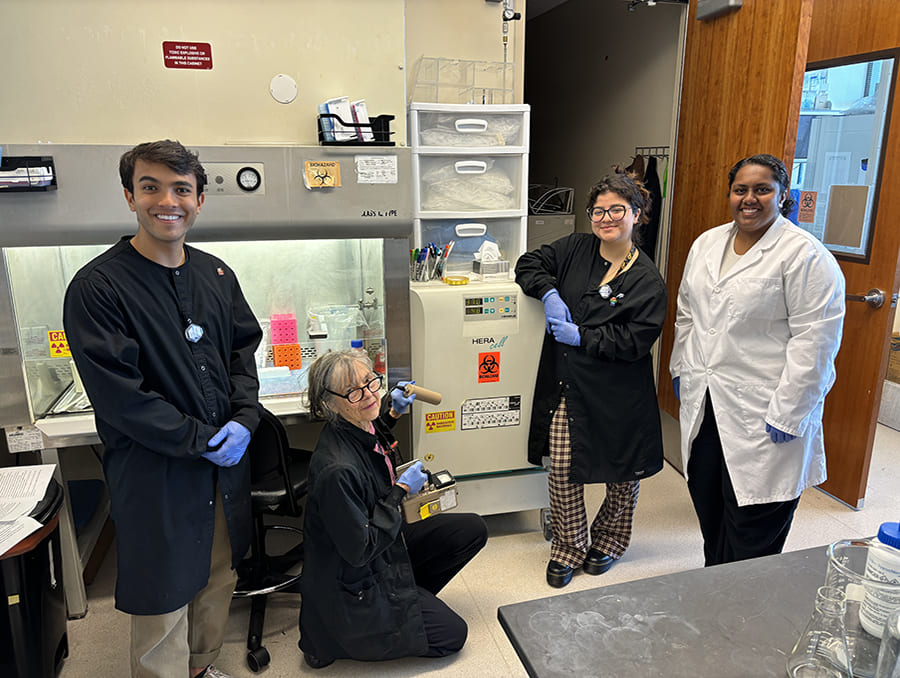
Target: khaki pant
x,y
169,645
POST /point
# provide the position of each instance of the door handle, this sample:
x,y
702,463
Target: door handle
x,y
874,297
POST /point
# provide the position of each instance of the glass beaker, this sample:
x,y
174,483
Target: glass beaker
x,y
821,650
846,571
889,656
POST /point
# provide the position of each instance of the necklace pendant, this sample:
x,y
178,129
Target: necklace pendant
x,y
193,333
605,291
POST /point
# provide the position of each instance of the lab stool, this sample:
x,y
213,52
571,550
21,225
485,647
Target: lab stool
x,y
31,587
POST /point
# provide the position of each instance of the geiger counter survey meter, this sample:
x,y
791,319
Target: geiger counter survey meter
x,y
438,495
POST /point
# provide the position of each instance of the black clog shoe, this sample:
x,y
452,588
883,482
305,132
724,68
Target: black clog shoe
x,y
558,575
597,562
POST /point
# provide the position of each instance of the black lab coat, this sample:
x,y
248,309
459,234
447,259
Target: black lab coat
x,y
614,422
157,400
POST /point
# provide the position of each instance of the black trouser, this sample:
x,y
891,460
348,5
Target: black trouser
x,y
730,532
439,547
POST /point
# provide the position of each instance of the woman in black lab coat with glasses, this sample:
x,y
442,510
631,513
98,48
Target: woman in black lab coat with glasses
x,y
370,580
595,411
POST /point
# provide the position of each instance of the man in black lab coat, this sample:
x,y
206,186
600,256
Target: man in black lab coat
x,y
164,342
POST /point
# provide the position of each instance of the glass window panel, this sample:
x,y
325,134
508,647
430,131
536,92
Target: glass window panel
x,y
340,282
837,159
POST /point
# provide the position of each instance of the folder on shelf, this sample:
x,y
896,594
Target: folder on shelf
x,y
361,117
326,123
340,106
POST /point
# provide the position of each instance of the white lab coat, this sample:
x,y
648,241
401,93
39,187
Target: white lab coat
x,y
762,339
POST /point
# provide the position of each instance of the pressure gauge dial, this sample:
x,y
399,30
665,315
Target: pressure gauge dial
x,y
249,179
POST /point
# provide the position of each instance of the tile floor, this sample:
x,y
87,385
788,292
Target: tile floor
x,y
509,569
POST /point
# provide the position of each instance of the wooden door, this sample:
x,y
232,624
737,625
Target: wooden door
x,y
741,95
841,29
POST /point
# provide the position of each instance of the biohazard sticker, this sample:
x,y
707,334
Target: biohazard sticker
x,y
806,211
440,422
488,367
59,345
322,173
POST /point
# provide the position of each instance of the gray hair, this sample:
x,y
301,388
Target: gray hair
x,y
327,372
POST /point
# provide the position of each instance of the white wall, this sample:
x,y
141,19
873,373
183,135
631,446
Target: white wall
x,y
92,71
600,80
464,29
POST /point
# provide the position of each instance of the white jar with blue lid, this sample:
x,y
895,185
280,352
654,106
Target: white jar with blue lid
x,y
882,564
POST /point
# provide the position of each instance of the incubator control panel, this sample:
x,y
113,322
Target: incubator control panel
x,y
490,307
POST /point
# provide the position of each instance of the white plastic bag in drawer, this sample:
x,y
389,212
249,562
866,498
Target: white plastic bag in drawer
x,y
456,131
467,185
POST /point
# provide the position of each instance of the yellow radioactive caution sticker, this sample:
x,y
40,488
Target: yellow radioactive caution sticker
x,y
438,422
59,345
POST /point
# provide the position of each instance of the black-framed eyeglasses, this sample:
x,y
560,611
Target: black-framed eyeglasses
x,y
616,212
354,395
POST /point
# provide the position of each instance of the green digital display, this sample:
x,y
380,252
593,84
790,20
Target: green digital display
x,y
474,311
473,301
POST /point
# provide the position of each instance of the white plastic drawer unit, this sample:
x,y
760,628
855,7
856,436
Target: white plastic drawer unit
x,y
470,127
468,235
476,183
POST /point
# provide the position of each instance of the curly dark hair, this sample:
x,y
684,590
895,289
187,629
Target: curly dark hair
x,y
779,173
167,152
630,188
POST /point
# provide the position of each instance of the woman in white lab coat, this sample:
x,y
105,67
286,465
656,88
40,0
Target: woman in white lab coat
x,y
760,314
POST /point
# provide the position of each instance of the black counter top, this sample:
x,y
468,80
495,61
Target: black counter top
x,y
738,620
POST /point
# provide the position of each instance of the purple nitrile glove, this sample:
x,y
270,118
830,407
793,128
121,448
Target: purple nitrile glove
x,y
399,399
413,478
554,307
676,386
232,440
777,435
565,332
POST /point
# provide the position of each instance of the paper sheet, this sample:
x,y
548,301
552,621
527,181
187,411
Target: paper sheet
x,y
14,532
21,488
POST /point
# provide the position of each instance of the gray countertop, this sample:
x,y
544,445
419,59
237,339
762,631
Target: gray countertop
x,y
738,620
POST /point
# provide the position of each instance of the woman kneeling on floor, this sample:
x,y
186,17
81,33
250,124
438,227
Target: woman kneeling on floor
x,y
370,580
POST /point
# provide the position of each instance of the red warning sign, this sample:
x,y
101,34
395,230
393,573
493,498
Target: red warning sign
x,y
197,55
59,345
488,367
806,209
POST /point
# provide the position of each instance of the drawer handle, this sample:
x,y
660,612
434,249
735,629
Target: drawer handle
x,y
470,230
470,167
471,125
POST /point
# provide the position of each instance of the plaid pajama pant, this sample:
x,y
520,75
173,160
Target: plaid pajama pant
x,y
610,530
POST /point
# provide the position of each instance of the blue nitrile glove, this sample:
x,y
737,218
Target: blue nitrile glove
x,y
399,400
565,333
554,307
676,386
413,478
777,435
234,438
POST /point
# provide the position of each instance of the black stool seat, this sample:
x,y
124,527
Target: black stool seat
x,y
269,493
